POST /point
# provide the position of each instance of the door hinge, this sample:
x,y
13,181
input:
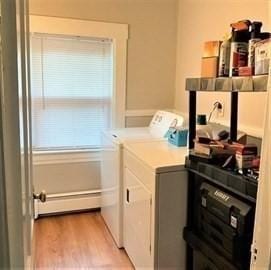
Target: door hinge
x,y
254,252
150,248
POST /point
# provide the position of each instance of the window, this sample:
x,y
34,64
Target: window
x,y
72,82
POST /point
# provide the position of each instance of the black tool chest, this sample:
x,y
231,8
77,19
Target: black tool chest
x,y
220,218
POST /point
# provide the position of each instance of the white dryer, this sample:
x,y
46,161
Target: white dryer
x,y
155,204
112,166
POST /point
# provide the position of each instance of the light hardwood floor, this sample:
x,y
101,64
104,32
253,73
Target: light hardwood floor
x,y
77,241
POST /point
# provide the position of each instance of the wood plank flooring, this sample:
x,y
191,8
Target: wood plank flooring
x,y
77,241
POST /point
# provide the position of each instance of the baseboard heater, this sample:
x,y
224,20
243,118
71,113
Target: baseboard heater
x,y
68,202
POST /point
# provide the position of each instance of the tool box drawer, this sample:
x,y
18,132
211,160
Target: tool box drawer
x,y
227,208
213,259
202,262
236,249
221,227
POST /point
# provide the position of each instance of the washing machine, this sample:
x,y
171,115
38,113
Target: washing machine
x,y
112,165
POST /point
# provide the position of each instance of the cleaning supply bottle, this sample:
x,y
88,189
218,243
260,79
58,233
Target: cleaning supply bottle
x,y
224,57
239,46
255,36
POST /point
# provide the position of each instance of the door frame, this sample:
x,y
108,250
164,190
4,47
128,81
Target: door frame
x,y
4,251
11,201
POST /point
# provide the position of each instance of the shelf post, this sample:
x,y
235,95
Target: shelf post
x,y
192,118
234,116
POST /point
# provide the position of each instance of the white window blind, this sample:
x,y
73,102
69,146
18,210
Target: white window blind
x,y
71,91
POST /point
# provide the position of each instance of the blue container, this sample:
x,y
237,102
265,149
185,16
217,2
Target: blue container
x,y
177,137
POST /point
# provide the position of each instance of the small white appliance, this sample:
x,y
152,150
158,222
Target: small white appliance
x,y
155,204
112,166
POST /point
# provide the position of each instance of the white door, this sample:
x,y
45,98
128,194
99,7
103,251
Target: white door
x,y
15,135
25,123
261,248
137,221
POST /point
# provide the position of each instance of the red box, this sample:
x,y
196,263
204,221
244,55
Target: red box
x,y
245,71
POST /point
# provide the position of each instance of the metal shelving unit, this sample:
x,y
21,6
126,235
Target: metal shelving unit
x,y
233,85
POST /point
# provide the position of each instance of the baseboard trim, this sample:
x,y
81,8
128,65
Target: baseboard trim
x,y
68,204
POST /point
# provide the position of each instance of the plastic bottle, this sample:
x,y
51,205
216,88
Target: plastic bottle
x,y
224,57
255,36
239,46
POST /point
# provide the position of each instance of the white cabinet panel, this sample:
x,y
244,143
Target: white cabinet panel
x,y
155,206
137,220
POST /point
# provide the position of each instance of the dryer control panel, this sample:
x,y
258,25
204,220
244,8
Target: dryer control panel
x,y
163,120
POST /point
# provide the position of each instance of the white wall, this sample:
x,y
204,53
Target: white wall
x,y
203,20
152,59
71,180
138,121
151,63
69,172
151,47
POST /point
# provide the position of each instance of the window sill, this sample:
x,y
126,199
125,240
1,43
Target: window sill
x,y
66,156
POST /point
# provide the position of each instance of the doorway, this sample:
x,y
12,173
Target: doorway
x,y
73,99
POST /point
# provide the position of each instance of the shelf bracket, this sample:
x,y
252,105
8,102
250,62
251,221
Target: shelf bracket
x,y
234,116
192,117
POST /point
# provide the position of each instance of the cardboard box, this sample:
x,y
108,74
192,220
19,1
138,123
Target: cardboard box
x,y
244,161
245,149
211,48
245,71
245,155
209,67
262,56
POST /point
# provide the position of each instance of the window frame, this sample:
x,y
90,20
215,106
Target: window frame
x,y
42,100
118,33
